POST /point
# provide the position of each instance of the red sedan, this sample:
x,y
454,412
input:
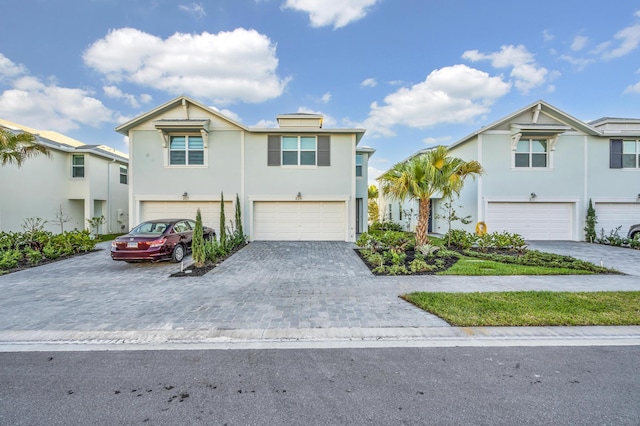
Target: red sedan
x,y
157,240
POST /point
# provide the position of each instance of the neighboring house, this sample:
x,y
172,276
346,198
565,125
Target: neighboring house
x,y
542,167
298,181
77,183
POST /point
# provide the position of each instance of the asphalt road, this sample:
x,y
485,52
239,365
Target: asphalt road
x,y
479,386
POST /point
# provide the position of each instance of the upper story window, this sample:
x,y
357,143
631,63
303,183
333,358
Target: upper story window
x,y
298,150
288,150
531,153
186,150
624,154
123,174
77,166
359,165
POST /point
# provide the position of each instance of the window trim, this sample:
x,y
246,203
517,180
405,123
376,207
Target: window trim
x,y
361,165
186,150
75,166
322,150
636,153
125,174
530,152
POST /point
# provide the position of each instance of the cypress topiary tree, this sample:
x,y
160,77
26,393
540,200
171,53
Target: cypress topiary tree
x,y
238,217
223,228
197,244
591,220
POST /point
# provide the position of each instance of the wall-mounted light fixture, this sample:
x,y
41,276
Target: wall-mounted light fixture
x,y
185,195
638,197
298,196
533,196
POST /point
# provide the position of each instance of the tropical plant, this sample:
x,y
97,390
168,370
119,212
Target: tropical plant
x,y
373,209
197,242
450,215
95,222
424,175
15,148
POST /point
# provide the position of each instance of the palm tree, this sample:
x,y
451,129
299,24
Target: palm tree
x,y
17,147
424,175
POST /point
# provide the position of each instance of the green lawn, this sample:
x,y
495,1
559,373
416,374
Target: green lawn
x,y
531,308
471,266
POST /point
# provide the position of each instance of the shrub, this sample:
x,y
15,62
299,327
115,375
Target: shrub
x,y
460,239
385,226
591,220
197,242
9,259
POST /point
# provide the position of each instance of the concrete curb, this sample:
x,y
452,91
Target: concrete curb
x,y
53,340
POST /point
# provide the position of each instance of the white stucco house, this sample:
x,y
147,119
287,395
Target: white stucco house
x,y
297,181
83,181
542,168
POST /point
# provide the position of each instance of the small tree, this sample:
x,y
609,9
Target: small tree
x,y
223,228
60,218
373,209
95,222
591,220
197,243
238,217
450,215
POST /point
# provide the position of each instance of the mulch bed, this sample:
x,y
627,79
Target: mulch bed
x,y
192,271
449,261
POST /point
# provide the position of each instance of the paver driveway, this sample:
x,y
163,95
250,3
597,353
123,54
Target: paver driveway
x,y
266,285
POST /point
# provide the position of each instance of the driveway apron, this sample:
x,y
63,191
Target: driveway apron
x,y
264,286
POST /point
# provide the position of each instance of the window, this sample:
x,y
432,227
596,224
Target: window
x,y
285,150
359,165
298,150
77,166
123,175
531,153
186,150
630,154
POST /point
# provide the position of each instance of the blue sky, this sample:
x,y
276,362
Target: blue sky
x,y
412,72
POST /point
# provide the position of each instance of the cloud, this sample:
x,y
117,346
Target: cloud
x,y
227,67
628,40
633,89
430,141
579,63
373,174
369,82
524,70
455,94
327,120
227,113
547,36
326,98
8,69
115,93
338,13
579,42
48,106
194,9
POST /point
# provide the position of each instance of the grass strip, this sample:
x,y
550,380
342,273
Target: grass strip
x,y
531,308
473,267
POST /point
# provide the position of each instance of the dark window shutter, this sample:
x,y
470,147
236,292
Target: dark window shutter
x,y
324,150
273,154
615,154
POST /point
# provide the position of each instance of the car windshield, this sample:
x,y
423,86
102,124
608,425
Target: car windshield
x,y
150,228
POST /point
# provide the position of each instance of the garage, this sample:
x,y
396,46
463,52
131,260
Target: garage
x,y
534,221
299,221
210,211
613,215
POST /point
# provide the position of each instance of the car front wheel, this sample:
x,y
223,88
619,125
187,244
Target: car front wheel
x,y
178,253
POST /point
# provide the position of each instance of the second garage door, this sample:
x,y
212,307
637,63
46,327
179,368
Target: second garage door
x,y
614,215
299,221
534,221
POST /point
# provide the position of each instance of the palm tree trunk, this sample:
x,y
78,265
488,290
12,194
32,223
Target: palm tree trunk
x,y
423,221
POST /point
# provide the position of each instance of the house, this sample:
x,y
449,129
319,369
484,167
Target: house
x,y
77,183
542,168
297,181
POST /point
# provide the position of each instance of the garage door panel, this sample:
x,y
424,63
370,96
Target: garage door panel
x,y
612,215
534,221
299,221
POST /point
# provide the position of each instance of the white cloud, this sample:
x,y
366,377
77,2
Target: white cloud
x,y
228,113
637,14
633,88
115,93
524,70
8,69
373,174
547,36
194,8
338,13
325,98
455,94
579,42
267,123
629,39
430,141
369,82
238,65
579,63
48,106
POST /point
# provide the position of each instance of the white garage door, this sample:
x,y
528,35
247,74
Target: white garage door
x,y
299,221
612,215
210,211
534,221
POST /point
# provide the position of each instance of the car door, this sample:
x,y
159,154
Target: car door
x,y
186,233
